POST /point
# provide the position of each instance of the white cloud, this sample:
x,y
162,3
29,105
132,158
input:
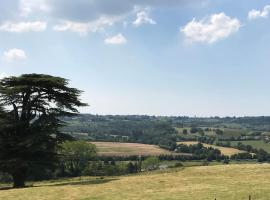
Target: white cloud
x,y
211,29
116,40
19,27
85,27
254,14
14,55
143,18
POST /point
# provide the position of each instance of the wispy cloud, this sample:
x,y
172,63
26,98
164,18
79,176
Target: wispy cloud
x,y
116,40
85,27
143,18
20,27
264,13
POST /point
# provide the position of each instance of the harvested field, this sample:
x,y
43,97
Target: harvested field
x,y
129,149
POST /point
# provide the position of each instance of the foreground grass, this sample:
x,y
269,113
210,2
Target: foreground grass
x,y
224,182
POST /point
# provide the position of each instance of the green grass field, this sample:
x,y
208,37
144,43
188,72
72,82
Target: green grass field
x,y
258,144
223,182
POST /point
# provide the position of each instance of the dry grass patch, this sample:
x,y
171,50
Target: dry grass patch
x,y
129,149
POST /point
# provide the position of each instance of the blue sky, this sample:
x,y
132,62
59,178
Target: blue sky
x,y
156,57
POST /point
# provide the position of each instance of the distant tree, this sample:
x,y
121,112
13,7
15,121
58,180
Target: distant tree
x,y
132,168
194,130
31,105
76,155
219,132
150,163
201,132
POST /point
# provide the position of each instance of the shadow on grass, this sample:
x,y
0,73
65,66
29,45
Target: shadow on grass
x,y
83,182
6,188
77,182
10,187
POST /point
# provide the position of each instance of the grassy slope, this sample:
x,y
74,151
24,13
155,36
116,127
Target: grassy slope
x,y
224,150
224,182
258,144
126,149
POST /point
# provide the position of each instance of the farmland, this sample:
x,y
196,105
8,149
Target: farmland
x,y
227,151
222,182
128,149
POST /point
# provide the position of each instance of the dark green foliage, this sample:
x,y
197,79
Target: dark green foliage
x,y
75,156
31,105
132,168
207,139
218,132
168,143
110,168
200,151
150,163
226,161
194,130
242,156
148,130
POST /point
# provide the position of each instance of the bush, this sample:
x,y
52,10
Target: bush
x,y
150,163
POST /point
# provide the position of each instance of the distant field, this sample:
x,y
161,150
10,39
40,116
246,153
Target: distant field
x,y
221,182
227,151
129,149
258,144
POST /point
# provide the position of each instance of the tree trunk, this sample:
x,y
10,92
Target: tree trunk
x,y
19,179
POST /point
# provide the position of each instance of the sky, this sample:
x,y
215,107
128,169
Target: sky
x,y
148,57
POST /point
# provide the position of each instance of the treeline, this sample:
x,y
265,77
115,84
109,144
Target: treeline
x,y
201,152
251,153
260,154
111,126
147,130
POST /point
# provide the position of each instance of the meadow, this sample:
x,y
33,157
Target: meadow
x,y
223,182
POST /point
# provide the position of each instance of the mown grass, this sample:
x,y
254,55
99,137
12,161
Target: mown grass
x,y
223,182
227,151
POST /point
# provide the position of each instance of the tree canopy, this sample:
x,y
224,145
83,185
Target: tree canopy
x,y
30,107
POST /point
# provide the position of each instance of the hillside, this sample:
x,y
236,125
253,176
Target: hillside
x,y
223,182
